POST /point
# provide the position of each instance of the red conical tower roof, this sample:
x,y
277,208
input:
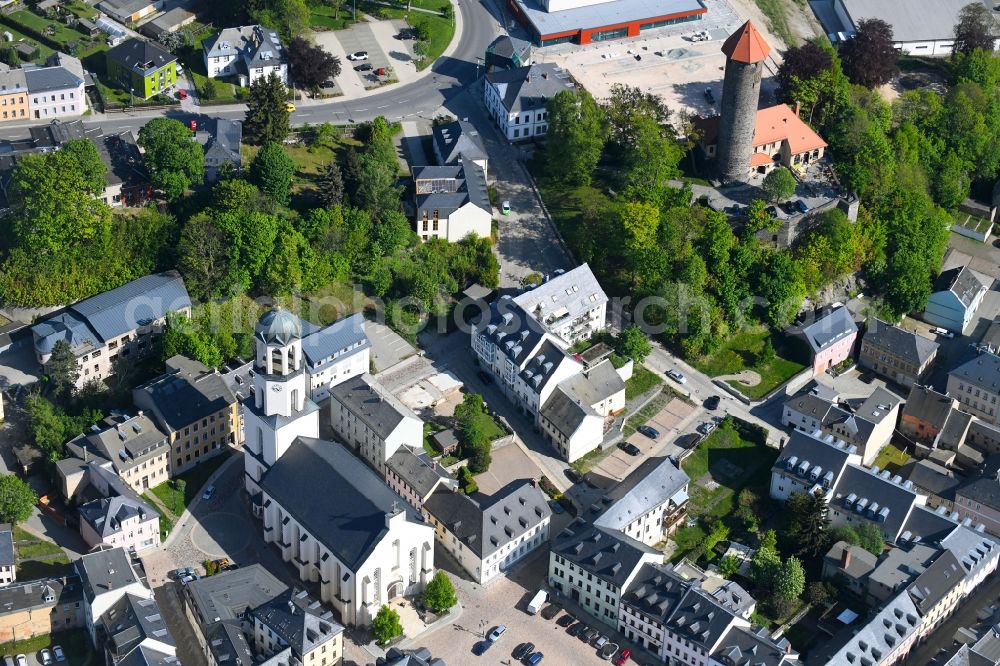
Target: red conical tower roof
x,y
746,45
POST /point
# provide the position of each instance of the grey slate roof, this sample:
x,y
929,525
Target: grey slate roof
x,y
456,139
125,441
914,348
132,620
982,371
113,313
419,472
187,393
937,580
141,56
147,656
742,646
962,282
892,500
654,482
529,87
911,20
300,622
984,490
514,332
565,296
45,592
931,478
862,562
830,329
228,595
343,337
973,548
351,520
106,515
563,411
7,557
655,591
700,618
829,456
926,525
256,45
899,566
371,403
228,645
418,657
44,79
222,142
810,404
893,624
465,183
607,554
98,569
928,405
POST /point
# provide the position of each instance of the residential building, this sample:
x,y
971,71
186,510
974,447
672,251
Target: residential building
x,y
955,299
372,421
107,576
928,32
593,566
292,628
221,139
169,21
130,11
648,505
247,53
459,140
8,559
141,67
363,544
452,202
120,521
984,652
899,355
925,416
14,95
976,385
831,338
576,415
516,98
886,639
931,479
780,138
850,565
126,181
335,354
866,424
124,322
411,473
570,305
979,501
227,645
807,464
134,624
40,607
552,22
506,52
132,447
489,537
55,92
196,409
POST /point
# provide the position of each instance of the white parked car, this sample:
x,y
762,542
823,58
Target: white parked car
x,y
943,332
358,55
677,376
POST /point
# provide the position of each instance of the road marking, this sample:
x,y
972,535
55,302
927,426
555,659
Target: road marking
x,y
384,106
303,115
359,110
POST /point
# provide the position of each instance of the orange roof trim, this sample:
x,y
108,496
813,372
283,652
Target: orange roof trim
x,y
746,45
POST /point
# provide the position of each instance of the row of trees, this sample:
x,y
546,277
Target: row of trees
x,y
474,432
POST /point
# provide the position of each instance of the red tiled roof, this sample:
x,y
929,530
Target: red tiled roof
x,y
746,45
760,159
779,123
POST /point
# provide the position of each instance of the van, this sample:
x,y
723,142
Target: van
x,y
537,602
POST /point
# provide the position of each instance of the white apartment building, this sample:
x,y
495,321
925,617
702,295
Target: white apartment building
x,y
372,421
55,92
107,576
809,463
649,504
120,522
516,98
573,418
569,305
490,537
248,53
452,201
335,354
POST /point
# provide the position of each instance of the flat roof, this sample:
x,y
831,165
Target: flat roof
x,y
605,14
911,20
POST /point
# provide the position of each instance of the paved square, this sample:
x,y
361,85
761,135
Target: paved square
x,y
510,463
359,37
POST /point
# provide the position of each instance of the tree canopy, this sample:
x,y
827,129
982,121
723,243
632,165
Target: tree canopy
x,y
174,159
17,499
869,57
974,29
779,185
310,65
267,115
271,170
576,135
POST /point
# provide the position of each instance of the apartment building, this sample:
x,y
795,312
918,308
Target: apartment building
x,y
574,417
456,140
372,421
335,353
569,305
106,577
41,607
517,98
55,92
121,521
926,415
976,385
956,295
123,323
898,355
246,53
411,473
196,408
14,96
132,630
886,639
649,505
809,465
490,536
979,501
293,627
143,68
452,201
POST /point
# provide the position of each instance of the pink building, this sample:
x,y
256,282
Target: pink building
x,y
831,339
980,501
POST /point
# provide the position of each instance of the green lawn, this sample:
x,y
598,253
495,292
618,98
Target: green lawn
x,y
321,16
36,548
891,458
225,92
740,352
81,9
74,643
642,380
43,50
194,478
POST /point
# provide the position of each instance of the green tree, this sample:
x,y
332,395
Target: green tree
x,y
640,222
974,29
267,115
791,581
633,343
624,104
808,524
174,158
9,55
869,57
951,182
779,185
63,370
845,533
758,217
16,499
439,594
203,257
575,137
767,353
729,566
209,90
870,538
331,185
720,532
272,170
765,569
817,594
782,286
653,159
386,625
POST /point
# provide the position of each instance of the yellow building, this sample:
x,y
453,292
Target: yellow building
x,y
40,607
13,96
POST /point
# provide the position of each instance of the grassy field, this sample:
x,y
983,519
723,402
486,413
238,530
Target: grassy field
x,y
37,547
225,92
741,352
81,9
642,380
74,644
194,479
891,458
43,50
38,558
777,17
321,16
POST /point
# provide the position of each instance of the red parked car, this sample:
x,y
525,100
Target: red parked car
x,y
623,656
182,94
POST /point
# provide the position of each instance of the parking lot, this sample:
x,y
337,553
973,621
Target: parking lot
x,y
384,51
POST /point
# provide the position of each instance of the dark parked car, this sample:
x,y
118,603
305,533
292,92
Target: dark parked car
x,y
550,611
590,635
535,659
577,629
713,402
649,431
573,475
566,620
629,448
406,33
484,377
363,68
522,651
801,206
481,647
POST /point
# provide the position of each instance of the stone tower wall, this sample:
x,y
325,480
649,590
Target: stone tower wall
x,y
740,95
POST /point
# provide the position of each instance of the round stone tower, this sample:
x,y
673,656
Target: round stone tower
x,y
745,52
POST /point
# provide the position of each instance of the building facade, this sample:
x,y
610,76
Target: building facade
x,y
516,98
745,50
831,339
246,53
956,298
552,22
41,607
335,354
976,385
898,355
120,522
55,92
142,68
106,577
14,95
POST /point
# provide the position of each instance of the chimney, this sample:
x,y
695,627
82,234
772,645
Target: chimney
x,y
797,106
845,558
